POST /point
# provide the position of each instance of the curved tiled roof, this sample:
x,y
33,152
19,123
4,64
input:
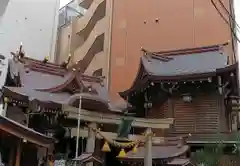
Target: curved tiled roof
x,y
51,83
158,152
177,65
196,63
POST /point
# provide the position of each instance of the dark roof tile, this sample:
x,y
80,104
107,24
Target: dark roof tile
x,y
195,63
158,152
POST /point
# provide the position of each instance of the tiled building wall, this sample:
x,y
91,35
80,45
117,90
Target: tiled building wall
x,y
161,25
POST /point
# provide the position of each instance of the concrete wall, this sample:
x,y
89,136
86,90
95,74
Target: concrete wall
x,y
32,22
3,6
157,26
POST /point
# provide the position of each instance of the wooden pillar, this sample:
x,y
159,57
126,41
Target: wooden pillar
x,y
18,154
148,148
49,155
11,156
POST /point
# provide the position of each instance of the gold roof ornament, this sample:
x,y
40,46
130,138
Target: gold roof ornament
x,y
45,60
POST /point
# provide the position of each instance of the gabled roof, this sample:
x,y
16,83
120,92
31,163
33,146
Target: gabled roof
x,y
195,63
51,83
166,150
181,162
158,152
88,157
180,65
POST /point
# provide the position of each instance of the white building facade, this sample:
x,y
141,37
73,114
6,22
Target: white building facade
x,y
32,22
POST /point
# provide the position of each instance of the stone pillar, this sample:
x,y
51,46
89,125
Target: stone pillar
x,y
148,148
91,140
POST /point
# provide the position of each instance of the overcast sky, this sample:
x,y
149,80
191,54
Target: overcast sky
x,y
63,2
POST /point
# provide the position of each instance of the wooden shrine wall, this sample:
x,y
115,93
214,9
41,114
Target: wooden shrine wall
x,y
201,115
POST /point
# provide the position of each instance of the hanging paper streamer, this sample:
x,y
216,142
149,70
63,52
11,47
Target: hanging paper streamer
x,y
134,150
106,147
122,154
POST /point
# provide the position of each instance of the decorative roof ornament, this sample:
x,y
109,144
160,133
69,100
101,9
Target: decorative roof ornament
x,y
66,63
46,59
155,55
19,54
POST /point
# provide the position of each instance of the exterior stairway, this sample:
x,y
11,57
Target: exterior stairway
x,y
85,4
82,51
87,38
82,27
87,41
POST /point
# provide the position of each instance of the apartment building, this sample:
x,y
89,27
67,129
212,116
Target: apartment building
x,y
86,38
112,39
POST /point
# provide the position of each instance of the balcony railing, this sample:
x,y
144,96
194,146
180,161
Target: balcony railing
x,y
68,12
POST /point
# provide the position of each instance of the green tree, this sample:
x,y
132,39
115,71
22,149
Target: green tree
x,y
210,155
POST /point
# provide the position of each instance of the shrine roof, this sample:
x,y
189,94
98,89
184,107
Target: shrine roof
x,y
24,132
158,152
209,137
168,148
180,65
31,94
88,157
193,63
52,83
180,162
213,138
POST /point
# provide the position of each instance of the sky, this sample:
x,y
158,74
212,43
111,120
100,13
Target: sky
x,y
64,2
